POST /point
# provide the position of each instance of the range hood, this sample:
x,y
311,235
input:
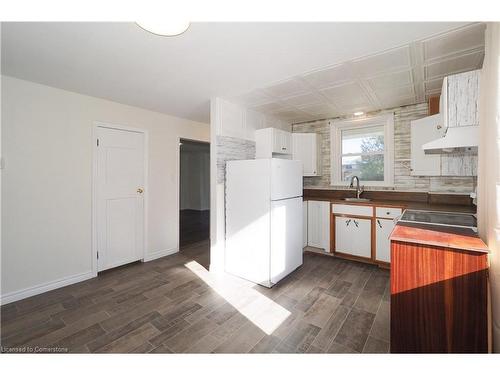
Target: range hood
x,y
456,139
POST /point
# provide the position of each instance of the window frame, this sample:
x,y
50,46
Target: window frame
x,y
336,127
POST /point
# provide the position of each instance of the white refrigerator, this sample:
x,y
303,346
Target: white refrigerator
x,y
263,219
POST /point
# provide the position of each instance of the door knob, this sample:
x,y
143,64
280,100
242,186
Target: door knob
x,y
140,190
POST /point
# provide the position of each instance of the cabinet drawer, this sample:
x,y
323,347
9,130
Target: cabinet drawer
x,y
350,209
388,212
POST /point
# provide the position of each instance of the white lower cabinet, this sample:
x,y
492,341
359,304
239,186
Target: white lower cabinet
x,y
353,236
318,224
384,228
304,223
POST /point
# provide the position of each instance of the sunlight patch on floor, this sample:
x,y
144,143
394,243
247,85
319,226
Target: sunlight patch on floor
x,y
259,309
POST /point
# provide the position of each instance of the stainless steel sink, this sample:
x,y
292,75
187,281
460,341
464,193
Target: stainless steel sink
x,y
357,200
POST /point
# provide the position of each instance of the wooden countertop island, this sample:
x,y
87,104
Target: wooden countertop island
x,y
453,238
439,279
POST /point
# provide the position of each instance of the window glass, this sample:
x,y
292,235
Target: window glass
x,y
363,140
363,153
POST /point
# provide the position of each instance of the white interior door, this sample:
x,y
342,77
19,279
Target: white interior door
x,y
120,197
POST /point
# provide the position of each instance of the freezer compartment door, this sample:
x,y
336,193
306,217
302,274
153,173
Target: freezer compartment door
x,y
286,237
286,179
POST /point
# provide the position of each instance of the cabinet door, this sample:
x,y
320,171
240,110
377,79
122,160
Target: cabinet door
x,y
423,131
463,97
318,224
282,142
304,223
304,148
286,142
353,236
384,228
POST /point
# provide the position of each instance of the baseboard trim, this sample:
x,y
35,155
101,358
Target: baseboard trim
x,y
42,288
160,253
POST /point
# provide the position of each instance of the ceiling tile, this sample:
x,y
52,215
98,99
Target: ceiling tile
x,y
394,59
315,109
329,76
308,98
434,84
350,94
397,77
272,107
287,88
397,102
390,80
396,92
253,98
349,89
454,42
459,64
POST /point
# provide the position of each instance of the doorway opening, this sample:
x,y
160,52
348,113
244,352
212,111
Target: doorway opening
x,y
194,199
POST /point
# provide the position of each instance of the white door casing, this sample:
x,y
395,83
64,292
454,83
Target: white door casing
x,y
119,188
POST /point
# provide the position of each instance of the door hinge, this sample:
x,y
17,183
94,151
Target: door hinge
x,y
97,142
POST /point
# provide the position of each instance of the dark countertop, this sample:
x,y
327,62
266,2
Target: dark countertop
x,y
412,200
404,205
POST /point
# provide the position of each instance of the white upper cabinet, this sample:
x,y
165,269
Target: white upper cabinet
x,y
459,99
272,142
307,148
422,131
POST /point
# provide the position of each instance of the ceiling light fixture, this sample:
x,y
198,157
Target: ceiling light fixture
x,y
360,113
172,27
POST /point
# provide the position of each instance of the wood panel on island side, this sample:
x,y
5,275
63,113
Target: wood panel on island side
x,y
439,290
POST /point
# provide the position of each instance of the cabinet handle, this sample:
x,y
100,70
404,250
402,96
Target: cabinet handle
x,y
379,224
347,222
356,223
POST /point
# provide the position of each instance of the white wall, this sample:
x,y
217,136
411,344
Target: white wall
x,y
489,167
195,179
46,212
229,120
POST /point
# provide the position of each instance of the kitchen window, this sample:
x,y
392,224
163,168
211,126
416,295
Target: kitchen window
x,y
363,148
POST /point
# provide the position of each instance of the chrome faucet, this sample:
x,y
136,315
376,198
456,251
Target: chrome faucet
x,y
359,189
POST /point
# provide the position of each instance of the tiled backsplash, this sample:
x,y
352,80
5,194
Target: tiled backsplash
x,y
402,178
230,148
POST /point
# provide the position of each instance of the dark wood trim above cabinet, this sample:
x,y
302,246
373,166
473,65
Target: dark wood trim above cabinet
x,y
434,105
